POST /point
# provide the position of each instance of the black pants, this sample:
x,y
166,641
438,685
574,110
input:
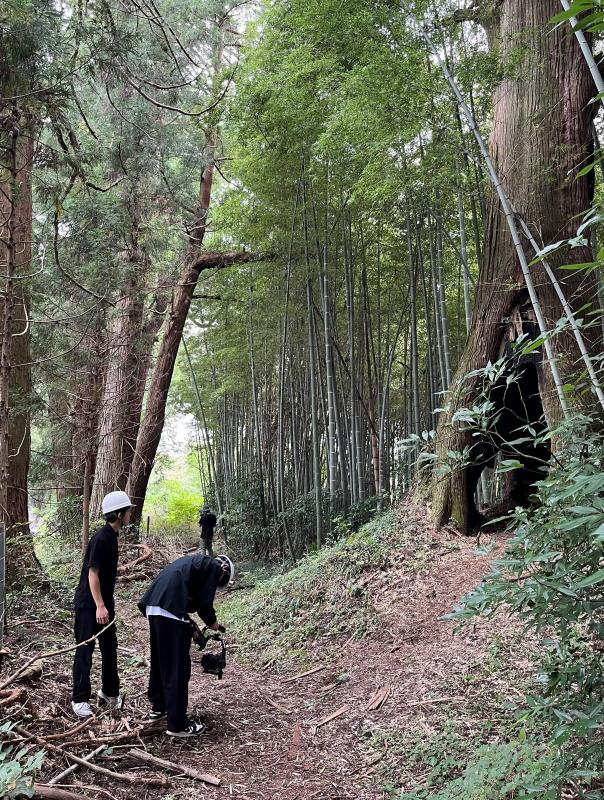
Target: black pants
x,y
85,627
170,669
205,545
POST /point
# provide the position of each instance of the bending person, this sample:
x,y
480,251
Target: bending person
x,y
186,585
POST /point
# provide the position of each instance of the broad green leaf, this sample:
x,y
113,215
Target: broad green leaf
x,y
591,580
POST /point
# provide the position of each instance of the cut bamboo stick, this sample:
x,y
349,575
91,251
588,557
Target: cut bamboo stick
x,y
303,674
142,755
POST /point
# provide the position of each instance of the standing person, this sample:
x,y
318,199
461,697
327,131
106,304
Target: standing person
x,y
186,585
207,523
95,608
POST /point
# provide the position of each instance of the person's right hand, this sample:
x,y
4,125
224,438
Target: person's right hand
x,y
102,615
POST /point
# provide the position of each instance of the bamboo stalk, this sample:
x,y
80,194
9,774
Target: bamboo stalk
x,y
569,315
312,377
586,50
511,222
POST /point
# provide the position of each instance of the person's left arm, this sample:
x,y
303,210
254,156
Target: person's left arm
x,y
208,615
205,602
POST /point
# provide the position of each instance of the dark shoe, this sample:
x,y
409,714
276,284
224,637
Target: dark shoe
x,y
192,729
156,715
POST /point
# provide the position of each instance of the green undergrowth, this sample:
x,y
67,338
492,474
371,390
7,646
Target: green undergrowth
x,y
325,599
60,559
456,767
488,747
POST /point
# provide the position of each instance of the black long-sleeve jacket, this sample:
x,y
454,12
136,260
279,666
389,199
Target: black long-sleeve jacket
x,y
184,586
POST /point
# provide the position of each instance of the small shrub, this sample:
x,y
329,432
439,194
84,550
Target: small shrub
x,y
551,576
499,771
17,769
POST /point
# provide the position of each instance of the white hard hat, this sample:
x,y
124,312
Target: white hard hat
x,y
227,566
116,501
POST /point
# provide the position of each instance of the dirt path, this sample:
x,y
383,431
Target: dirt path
x,y
266,744
262,739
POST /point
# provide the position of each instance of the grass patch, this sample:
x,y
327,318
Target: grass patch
x,y
485,749
326,598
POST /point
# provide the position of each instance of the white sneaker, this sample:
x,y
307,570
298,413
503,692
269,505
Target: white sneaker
x,y
112,702
192,729
82,709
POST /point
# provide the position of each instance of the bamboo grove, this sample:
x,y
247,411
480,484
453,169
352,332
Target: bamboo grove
x,y
272,218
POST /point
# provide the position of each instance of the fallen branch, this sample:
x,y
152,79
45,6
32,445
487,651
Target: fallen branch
x,y
45,792
70,731
150,729
58,778
142,755
119,776
330,717
303,674
147,553
12,696
16,675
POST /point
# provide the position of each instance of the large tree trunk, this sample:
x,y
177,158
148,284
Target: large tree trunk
x,y
155,411
541,134
15,367
19,439
120,372
134,401
60,458
86,409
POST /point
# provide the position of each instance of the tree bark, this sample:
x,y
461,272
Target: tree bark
x,y
541,134
153,422
121,358
15,367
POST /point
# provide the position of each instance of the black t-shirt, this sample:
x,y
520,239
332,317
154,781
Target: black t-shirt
x,y
208,523
184,586
101,553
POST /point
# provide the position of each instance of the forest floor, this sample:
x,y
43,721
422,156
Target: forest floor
x,y
439,694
